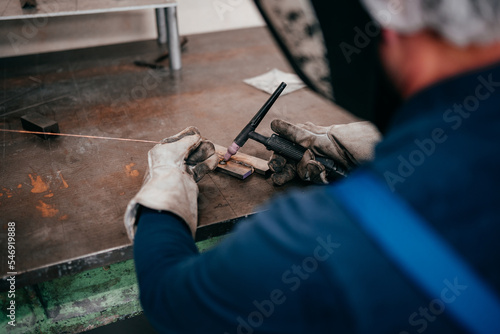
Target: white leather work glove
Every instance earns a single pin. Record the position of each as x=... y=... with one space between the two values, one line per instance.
x=175 y=165
x=348 y=144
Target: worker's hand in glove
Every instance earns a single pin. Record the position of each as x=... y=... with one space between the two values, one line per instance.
x=175 y=165
x=347 y=144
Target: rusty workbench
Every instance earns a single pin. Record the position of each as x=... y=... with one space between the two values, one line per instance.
x=67 y=195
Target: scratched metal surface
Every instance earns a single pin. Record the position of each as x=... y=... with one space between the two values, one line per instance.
x=67 y=195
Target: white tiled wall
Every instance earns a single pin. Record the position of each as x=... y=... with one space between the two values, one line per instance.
x=60 y=33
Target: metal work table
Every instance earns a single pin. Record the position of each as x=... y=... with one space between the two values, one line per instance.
x=67 y=195
x=165 y=10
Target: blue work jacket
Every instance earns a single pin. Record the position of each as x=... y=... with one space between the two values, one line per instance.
x=306 y=265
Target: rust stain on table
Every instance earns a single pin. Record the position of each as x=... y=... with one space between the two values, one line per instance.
x=131 y=172
x=38 y=185
x=47 y=210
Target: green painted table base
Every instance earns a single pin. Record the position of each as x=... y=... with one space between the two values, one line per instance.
x=81 y=302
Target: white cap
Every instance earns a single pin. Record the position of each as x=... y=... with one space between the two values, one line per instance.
x=462 y=22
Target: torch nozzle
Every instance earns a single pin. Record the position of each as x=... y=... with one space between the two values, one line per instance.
x=231 y=150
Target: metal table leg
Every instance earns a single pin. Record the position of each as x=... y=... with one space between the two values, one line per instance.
x=161 y=24
x=174 y=45
x=168 y=31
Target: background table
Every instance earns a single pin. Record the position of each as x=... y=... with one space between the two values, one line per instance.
x=165 y=10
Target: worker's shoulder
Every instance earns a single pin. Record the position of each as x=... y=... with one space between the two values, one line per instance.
x=313 y=229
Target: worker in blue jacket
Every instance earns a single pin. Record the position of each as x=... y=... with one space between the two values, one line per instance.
x=407 y=243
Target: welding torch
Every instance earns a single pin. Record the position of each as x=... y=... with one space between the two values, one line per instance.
x=276 y=143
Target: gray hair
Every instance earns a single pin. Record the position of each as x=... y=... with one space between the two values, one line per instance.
x=462 y=22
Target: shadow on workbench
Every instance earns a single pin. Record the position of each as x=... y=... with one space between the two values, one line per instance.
x=138 y=324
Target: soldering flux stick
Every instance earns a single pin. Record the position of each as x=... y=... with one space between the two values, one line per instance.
x=80 y=136
x=243 y=136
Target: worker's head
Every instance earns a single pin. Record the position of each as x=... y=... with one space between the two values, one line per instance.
x=461 y=22
x=424 y=41
x=346 y=50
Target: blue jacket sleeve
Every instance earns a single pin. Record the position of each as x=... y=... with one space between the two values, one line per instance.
x=266 y=277
x=303 y=265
